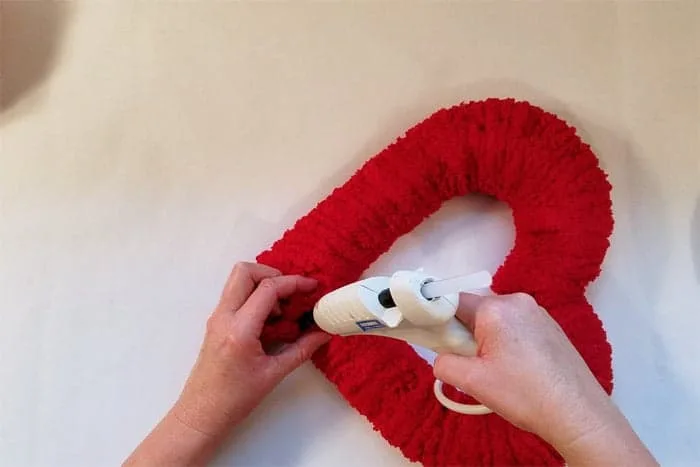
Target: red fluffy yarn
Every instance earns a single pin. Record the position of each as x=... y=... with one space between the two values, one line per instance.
x=560 y=200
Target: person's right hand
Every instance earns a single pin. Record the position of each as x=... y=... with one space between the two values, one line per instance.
x=527 y=371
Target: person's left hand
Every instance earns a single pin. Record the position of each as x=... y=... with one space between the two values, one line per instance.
x=233 y=373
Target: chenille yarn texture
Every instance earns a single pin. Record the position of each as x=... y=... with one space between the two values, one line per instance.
x=560 y=200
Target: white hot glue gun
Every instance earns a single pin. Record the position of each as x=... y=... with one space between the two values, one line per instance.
x=410 y=306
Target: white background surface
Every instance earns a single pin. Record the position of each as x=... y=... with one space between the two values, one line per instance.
x=148 y=146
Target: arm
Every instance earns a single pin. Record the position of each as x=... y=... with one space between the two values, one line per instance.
x=232 y=374
x=527 y=371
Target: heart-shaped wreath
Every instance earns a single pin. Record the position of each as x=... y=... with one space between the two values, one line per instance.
x=560 y=200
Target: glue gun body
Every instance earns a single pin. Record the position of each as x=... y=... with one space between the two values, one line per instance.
x=396 y=307
x=409 y=306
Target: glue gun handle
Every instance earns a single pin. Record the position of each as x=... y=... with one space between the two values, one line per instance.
x=453 y=337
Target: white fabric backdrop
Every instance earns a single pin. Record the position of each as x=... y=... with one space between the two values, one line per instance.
x=147 y=146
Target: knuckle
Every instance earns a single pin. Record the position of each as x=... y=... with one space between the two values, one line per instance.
x=212 y=323
x=492 y=306
x=300 y=358
x=267 y=284
x=304 y=354
x=230 y=344
x=493 y=311
x=523 y=300
x=240 y=268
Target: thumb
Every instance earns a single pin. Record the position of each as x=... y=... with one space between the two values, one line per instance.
x=459 y=371
x=294 y=355
x=466 y=310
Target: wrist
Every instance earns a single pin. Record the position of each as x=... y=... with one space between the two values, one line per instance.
x=203 y=415
x=174 y=443
x=605 y=438
x=179 y=422
x=211 y=410
x=586 y=419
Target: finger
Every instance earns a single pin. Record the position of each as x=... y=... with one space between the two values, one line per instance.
x=294 y=355
x=267 y=294
x=241 y=283
x=459 y=371
x=466 y=310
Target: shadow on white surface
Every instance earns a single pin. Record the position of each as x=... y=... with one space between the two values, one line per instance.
x=30 y=37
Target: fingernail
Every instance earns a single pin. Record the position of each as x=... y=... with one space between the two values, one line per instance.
x=310 y=281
